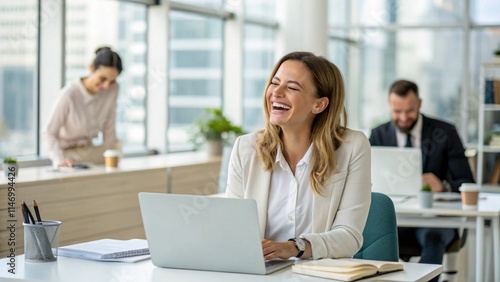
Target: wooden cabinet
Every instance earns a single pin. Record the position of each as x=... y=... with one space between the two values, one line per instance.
x=96 y=203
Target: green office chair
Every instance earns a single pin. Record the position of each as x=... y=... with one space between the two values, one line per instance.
x=380 y=236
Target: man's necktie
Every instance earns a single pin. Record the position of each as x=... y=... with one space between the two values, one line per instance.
x=408 y=141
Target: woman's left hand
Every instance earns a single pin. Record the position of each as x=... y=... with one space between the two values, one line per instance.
x=282 y=250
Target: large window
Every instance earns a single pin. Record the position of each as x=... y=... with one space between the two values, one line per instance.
x=377 y=42
x=122 y=26
x=259 y=59
x=380 y=13
x=195 y=73
x=395 y=55
x=212 y=4
x=18 y=78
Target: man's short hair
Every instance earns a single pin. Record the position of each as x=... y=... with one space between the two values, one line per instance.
x=403 y=87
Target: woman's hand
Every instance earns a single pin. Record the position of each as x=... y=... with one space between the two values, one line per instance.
x=65 y=163
x=282 y=250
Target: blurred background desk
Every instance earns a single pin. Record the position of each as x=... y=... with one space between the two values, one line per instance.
x=75 y=270
x=97 y=203
x=451 y=214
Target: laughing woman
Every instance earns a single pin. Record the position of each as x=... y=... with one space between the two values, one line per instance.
x=308 y=173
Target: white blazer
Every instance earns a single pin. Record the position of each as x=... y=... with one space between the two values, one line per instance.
x=339 y=216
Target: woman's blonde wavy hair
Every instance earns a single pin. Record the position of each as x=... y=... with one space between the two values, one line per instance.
x=328 y=126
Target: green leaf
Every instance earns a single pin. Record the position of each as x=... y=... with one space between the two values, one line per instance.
x=426 y=187
x=212 y=126
x=9 y=160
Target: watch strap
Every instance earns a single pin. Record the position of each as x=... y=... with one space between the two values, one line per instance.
x=446 y=186
x=301 y=252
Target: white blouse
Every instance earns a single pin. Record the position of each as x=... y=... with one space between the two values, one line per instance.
x=290 y=200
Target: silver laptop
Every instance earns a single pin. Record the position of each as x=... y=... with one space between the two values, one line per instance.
x=204 y=233
x=396 y=171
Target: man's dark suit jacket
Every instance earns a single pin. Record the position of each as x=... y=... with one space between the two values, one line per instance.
x=442 y=150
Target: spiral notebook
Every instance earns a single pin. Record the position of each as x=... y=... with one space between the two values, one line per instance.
x=132 y=250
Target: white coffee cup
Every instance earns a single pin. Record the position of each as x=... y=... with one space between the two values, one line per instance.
x=111 y=158
x=470 y=195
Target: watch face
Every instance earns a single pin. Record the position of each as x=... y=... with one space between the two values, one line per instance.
x=300 y=244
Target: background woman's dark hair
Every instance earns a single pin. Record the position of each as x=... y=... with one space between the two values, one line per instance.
x=106 y=57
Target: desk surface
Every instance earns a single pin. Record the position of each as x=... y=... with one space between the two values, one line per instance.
x=488 y=206
x=452 y=215
x=46 y=173
x=75 y=270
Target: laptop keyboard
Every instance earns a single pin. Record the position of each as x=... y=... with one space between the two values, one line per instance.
x=271 y=263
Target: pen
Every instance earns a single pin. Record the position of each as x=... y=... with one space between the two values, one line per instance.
x=37 y=212
x=25 y=217
x=28 y=213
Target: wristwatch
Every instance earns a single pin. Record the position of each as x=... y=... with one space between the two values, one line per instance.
x=446 y=186
x=300 y=244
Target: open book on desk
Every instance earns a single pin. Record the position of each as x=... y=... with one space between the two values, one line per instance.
x=345 y=269
x=132 y=250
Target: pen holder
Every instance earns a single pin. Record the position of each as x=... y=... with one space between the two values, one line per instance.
x=41 y=241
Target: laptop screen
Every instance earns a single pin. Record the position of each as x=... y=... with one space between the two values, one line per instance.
x=396 y=171
x=204 y=233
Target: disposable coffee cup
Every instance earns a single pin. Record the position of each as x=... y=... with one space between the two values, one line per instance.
x=111 y=158
x=41 y=241
x=470 y=195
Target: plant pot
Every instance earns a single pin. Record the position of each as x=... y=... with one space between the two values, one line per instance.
x=425 y=199
x=7 y=169
x=214 y=147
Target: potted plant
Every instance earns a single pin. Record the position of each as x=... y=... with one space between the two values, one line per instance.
x=213 y=129
x=10 y=166
x=426 y=196
x=496 y=53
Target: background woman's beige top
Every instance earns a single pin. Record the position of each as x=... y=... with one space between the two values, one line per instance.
x=78 y=117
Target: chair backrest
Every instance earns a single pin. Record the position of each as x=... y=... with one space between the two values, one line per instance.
x=380 y=236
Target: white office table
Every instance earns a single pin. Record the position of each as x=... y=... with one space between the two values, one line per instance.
x=451 y=214
x=76 y=270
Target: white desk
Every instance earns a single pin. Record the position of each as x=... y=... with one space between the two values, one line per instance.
x=75 y=270
x=409 y=214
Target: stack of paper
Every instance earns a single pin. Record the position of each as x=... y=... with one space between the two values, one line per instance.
x=132 y=250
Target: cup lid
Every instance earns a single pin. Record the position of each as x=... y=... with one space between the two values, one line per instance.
x=469 y=187
x=111 y=153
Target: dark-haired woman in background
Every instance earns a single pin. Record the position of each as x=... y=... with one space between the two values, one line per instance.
x=84 y=108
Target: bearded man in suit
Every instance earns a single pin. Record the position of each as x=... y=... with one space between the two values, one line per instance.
x=444 y=164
